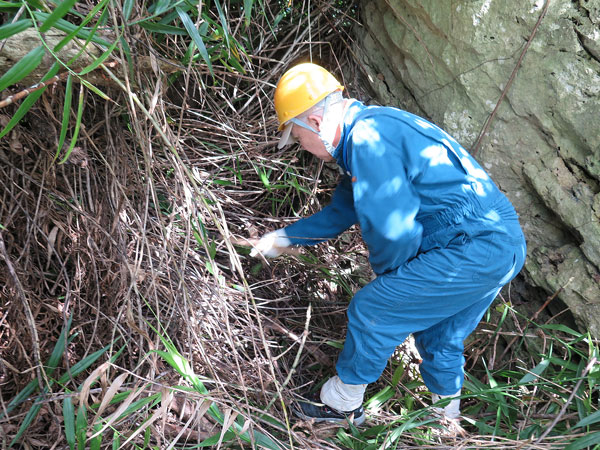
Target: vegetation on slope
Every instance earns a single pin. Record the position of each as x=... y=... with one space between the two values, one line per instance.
x=129 y=318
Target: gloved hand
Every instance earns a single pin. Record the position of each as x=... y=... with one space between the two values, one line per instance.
x=272 y=244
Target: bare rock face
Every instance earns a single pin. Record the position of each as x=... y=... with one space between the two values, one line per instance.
x=450 y=61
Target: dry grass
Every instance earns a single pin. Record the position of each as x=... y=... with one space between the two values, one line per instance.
x=130 y=239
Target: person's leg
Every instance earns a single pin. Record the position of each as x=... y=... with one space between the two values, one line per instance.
x=441 y=348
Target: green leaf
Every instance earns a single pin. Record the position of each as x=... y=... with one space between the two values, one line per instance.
x=584 y=441
x=51 y=365
x=77 y=126
x=75 y=31
x=537 y=370
x=100 y=59
x=116 y=442
x=81 y=427
x=588 y=420
x=80 y=366
x=69 y=418
x=11 y=29
x=127 y=8
x=61 y=10
x=160 y=7
x=191 y=29
x=66 y=115
x=247 y=11
x=29 y=417
x=68 y=27
x=161 y=28
x=96 y=442
x=224 y=22
x=22 y=68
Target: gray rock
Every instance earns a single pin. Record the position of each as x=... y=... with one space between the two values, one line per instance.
x=451 y=61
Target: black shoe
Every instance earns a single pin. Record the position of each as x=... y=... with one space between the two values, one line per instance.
x=314 y=409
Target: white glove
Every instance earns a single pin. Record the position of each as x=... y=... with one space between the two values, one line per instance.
x=271 y=245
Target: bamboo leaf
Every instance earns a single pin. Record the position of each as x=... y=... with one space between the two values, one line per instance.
x=77 y=126
x=223 y=20
x=11 y=29
x=81 y=427
x=588 y=420
x=68 y=27
x=66 y=114
x=96 y=442
x=61 y=10
x=191 y=29
x=80 y=366
x=76 y=30
x=584 y=441
x=535 y=372
x=247 y=11
x=162 y=28
x=23 y=68
x=100 y=59
x=127 y=8
x=29 y=417
x=69 y=418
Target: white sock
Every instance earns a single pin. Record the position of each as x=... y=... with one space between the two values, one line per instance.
x=341 y=396
x=452 y=409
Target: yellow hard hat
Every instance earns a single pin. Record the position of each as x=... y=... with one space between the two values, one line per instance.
x=300 y=88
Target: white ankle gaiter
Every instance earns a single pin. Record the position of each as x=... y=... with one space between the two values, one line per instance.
x=452 y=409
x=341 y=396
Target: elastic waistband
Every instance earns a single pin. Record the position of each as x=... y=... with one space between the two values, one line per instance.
x=478 y=207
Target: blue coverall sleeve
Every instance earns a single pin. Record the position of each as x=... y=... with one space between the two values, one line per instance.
x=385 y=200
x=328 y=223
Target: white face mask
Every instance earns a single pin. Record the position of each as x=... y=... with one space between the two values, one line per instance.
x=331 y=119
x=329 y=124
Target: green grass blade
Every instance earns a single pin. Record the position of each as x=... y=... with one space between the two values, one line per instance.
x=193 y=32
x=81 y=427
x=223 y=20
x=66 y=115
x=127 y=8
x=59 y=12
x=80 y=366
x=247 y=11
x=27 y=104
x=51 y=365
x=69 y=418
x=100 y=59
x=68 y=27
x=116 y=442
x=535 y=372
x=96 y=442
x=159 y=7
x=11 y=29
x=22 y=68
x=75 y=31
x=585 y=441
x=162 y=28
x=29 y=417
x=588 y=420
x=77 y=126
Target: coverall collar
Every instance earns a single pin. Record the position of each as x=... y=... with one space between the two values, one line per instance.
x=339 y=153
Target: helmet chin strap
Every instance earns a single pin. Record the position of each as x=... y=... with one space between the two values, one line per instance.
x=328 y=124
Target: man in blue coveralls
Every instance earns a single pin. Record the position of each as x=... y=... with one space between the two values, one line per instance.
x=442 y=238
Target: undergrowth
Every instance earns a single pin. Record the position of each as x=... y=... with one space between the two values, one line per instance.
x=129 y=316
